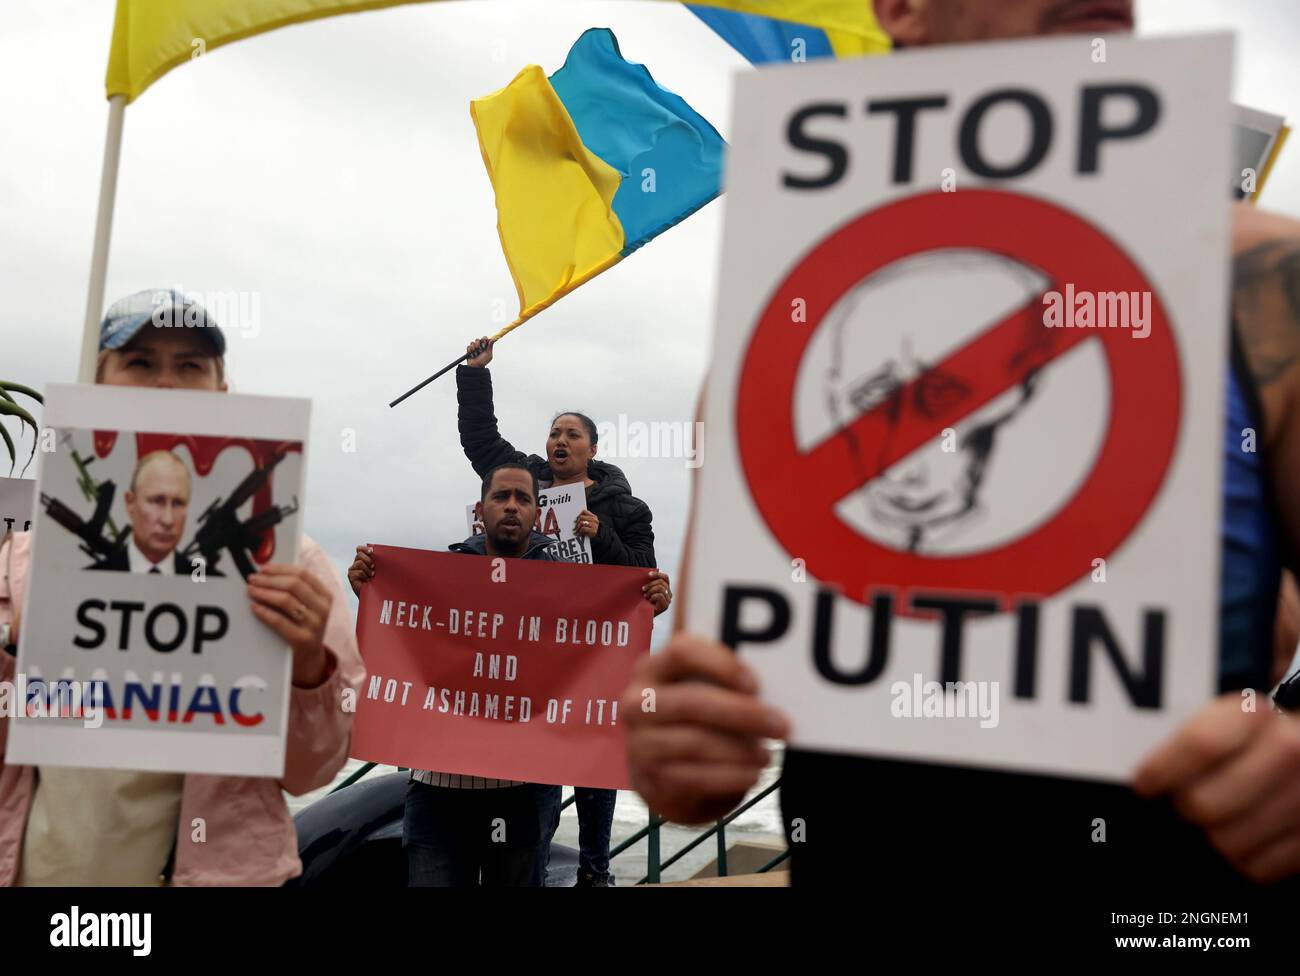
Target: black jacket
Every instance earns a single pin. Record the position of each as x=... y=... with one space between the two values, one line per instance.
x=120 y=562
x=625 y=537
x=538 y=547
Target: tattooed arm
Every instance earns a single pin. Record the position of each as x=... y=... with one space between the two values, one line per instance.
x=1266 y=304
x=1231 y=770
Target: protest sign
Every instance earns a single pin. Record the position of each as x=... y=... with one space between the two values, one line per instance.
x=1257 y=139
x=975 y=381
x=137 y=646
x=558 y=509
x=17 y=496
x=504 y=668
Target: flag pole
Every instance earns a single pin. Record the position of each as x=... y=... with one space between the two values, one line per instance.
x=462 y=358
x=524 y=316
x=103 y=231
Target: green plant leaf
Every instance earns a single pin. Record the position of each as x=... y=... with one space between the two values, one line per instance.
x=26 y=391
x=10 y=409
x=9 y=443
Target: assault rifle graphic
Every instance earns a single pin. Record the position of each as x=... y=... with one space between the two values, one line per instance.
x=221 y=529
x=95 y=541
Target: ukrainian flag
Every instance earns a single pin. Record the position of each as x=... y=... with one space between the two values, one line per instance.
x=150 y=37
x=763 y=39
x=588 y=165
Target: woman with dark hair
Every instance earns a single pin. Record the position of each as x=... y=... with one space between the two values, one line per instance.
x=616 y=523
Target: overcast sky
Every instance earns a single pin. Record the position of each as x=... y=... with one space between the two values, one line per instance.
x=331 y=169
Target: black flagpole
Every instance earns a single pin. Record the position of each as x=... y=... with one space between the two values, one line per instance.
x=463 y=357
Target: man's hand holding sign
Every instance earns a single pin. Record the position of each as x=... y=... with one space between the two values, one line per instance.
x=658 y=590
x=1236 y=773
x=700 y=749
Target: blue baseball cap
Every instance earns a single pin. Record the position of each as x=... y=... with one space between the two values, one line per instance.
x=164 y=308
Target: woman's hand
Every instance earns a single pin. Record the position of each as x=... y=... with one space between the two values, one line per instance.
x=586 y=524
x=362 y=569
x=657 y=591
x=296 y=605
x=479 y=352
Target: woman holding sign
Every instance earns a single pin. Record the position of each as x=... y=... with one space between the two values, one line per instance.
x=74 y=827
x=614 y=521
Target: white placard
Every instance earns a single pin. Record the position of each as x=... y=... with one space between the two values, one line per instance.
x=937 y=468
x=17 y=501
x=188 y=679
x=1255 y=135
x=558 y=509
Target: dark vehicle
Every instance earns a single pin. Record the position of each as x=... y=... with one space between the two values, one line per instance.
x=354 y=838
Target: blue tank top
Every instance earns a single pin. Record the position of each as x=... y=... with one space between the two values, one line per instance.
x=1250 y=570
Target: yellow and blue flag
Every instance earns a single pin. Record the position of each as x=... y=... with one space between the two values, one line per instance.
x=840 y=19
x=763 y=39
x=588 y=165
x=150 y=37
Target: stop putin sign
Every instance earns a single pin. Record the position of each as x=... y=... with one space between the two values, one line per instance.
x=1087 y=625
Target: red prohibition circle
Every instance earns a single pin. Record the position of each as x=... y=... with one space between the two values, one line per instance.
x=796 y=491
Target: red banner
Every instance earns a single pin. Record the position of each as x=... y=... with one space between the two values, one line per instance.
x=507 y=668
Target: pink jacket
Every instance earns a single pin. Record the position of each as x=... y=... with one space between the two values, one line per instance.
x=250 y=838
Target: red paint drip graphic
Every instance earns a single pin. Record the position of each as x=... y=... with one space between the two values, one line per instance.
x=204 y=451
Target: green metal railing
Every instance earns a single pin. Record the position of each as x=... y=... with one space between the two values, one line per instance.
x=654 y=867
x=650 y=833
